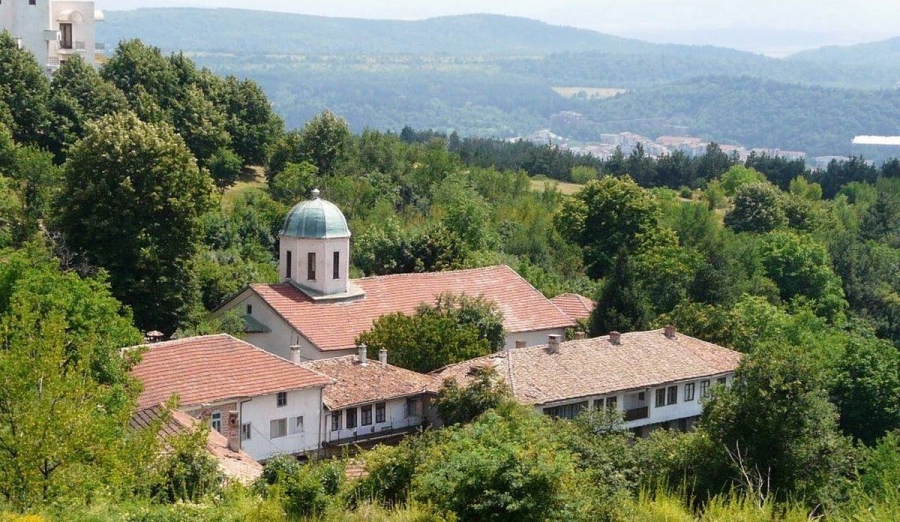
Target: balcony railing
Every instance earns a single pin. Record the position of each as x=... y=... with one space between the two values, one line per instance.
x=77 y=45
x=637 y=414
x=366 y=435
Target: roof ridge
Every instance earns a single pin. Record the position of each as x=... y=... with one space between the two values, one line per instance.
x=437 y=273
x=183 y=340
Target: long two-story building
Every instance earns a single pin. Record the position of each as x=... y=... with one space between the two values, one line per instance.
x=655 y=379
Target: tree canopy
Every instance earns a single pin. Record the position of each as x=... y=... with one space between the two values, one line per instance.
x=136 y=185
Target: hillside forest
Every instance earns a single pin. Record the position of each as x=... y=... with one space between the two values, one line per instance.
x=502 y=77
x=140 y=196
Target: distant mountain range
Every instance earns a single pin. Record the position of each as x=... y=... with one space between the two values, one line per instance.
x=494 y=75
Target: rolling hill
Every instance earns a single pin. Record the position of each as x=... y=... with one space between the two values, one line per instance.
x=501 y=76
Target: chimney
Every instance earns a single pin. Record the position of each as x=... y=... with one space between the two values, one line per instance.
x=382 y=357
x=580 y=335
x=233 y=431
x=615 y=338
x=363 y=359
x=521 y=344
x=553 y=344
x=295 y=354
x=670 y=331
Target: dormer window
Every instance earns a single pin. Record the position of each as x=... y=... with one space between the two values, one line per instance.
x=311 y=266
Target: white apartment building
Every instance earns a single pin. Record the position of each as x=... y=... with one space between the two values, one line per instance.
x=53 y=31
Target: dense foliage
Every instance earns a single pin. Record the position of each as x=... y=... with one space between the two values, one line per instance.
x=796 y=268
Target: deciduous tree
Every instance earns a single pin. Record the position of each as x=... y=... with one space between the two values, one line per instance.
x=132 y=205
x=605 y=216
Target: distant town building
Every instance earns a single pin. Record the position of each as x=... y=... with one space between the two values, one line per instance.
x=53 y=31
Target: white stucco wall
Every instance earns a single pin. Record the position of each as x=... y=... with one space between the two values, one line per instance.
x=83 y=30
x=680 y=410
x=324 y=250
x=534 y=338
x=259 y=411
x=395 y=418
x=282 y=336
x=28 y=22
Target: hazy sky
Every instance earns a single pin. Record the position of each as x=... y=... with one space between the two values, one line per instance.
x=840 y=21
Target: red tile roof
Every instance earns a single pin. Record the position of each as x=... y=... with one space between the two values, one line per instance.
x=215 y=368
x=574 y=305
x=334 y=325
x=373 y=382
x=587 y=367
x=236 y=465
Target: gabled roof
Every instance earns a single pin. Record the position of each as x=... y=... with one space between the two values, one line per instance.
x=355 y=383
x=236 y=465
x=583 y=368
x=574 y=305
x=213 y=368
x=335 y=325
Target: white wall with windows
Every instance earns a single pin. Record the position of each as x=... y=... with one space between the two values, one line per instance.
x=281 y=423
x=370 y=420
x=680 y=400
x=322 y=275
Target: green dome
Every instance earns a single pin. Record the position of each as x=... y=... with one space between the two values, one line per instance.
x=315 y=218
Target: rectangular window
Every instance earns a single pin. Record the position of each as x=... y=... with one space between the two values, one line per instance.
x=311 y=266
x=351 y=418
x=673 y=395
x=365 y=415
x=642 y=396
x=336 y=269
x=379 y=412
x=688 y=392
x=721 y=380
x=249 y=309
x=660 y=397
x=704 y=389
x=277 y=428
x=612 y=403
x=246 y=431
x=288 y=264
x=296 y=425
x=336 y=421
x=215 y=420
x=282 y=399
x=32 y=2
x=598 y=403
x=412 y=407
x=65 y=36
x=566 y=411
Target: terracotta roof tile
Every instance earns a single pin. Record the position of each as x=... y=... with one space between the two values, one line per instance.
x=215 y=368
x=373 y=382
x=583 y=368
x=335 y=325
x=236 y=465
x=574 y=305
